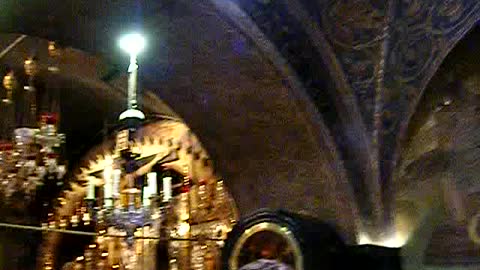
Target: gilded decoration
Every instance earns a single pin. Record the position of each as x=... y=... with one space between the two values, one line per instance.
x=203 y=211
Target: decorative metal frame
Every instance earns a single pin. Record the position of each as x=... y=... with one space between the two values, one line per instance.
x=282 y=231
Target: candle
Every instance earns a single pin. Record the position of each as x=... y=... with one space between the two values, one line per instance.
x=152 y=183
x=117 y=173
x=91 y=189
x=146 y=195
x=108 y=203
x=167 y=188
x=108 y=186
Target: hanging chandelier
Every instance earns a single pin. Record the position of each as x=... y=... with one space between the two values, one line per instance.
x=127 y=208
x=31 y=158
x=136 y=203
x=30 y=155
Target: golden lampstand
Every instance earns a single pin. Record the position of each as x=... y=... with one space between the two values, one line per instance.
x=9 y=83
x=48 y=265
x=131 y=196
x=102 y=264
x=63 y=223
x=31 y=67
x=210 y=261
x=79 y=263
x=53 y=50
x=86 y=218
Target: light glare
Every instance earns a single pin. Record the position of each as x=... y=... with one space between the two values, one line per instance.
x=183 y=229
x=133 y=44
x=394 y=241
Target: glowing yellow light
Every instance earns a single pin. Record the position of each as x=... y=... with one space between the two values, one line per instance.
x=183 y=229
x=394 y=241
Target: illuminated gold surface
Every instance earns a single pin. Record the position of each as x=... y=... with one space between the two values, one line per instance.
x=31 y=67
x=214 y=223
x=9 y=81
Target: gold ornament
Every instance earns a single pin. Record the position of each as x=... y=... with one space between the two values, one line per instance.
x=53 y=50
x=9 y=83
x=31 y=67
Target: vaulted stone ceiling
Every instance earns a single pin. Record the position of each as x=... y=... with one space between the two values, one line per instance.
x=380 y=56
x=326 y=109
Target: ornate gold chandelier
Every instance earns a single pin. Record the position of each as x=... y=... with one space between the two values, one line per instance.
x=30 y=155
x=142 y=193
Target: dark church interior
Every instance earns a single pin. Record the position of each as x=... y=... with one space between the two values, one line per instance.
x=240 y=135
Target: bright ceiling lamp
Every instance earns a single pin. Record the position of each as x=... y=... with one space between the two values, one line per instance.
x=133 y=43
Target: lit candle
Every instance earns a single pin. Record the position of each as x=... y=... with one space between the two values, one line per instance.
x=108 y=186
x=167 y=188
x=91 y=189
x=146 y=195
x=152 y=183
x=117 y=173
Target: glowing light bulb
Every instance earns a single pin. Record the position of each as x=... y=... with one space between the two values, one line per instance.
x=133 y=43
x=183 y=229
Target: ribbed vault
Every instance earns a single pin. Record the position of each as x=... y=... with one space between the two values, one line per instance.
x=380 y=56
x=441 y=154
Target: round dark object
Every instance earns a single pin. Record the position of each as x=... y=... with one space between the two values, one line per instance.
x=310 y=244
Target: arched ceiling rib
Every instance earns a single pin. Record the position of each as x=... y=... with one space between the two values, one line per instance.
x=249 y=28
x=303 y=45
